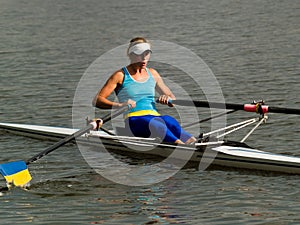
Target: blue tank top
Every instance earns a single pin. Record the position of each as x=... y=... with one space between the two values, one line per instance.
x=141 y=92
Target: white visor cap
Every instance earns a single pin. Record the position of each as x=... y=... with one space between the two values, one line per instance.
x=139 y=49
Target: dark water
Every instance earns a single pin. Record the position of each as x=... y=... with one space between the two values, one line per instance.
x=252 y=48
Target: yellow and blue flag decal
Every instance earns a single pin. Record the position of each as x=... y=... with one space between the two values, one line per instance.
x=15 y=173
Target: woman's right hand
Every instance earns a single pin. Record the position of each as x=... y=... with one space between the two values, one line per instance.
x=130 y=103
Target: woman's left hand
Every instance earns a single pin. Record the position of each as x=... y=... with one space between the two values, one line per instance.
x=164 y=99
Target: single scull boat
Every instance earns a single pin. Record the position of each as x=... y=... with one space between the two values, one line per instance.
x=220 y=153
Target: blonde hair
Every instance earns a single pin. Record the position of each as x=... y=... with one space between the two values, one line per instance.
x=135 y=41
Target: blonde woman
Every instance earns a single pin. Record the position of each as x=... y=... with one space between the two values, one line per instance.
x=135 y=85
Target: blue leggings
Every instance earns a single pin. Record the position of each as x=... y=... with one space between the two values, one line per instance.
x=165 y=127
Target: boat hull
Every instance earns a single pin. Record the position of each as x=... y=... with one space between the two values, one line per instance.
x=224 y=155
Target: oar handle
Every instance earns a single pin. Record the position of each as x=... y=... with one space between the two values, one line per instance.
x=246 y=107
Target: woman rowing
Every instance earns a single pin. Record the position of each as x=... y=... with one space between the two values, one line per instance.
x=135 y=85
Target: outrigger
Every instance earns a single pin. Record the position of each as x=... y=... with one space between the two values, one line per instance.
x=211 y=147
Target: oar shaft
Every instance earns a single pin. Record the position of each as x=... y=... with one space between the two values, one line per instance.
x=116 y=113
x=206 y=104
x=78 y=133
x=60 y=143
x=284 y=110
x=245 y=107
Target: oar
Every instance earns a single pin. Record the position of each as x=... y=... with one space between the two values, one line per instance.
x=255 y=107
x=17 y=173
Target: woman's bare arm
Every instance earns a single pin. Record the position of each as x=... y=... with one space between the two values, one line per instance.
x=100 y=100
x=162 y=88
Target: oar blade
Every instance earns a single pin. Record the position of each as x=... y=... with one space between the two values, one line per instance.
x=16 y=173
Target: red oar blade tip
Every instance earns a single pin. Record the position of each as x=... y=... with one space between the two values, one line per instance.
x=16 y=173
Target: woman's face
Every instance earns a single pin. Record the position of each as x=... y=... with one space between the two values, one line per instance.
x=141 y=60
